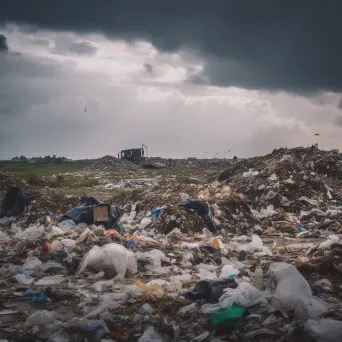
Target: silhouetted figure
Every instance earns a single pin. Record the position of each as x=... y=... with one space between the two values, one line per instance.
x=13 y=203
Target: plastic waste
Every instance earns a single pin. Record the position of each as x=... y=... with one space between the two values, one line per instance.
x=146 y=309
x=153 y=257
x=324 y=330
x=32 y=233
x=229 y=317
x=67 y=224
x=228 y=271
x=200 y=208
x=245 y=295
x=41 y=317
x=59 y=336
x=251 y=247
x=292 y=292
x=23 y=279
x=259 y=278
x=233 y=263
x=151 y=290
x=130 y=243
x=210 y=290
x=84 y=212
x=151 y=334
x=331 y=239
x=111 y=258
x=156 y=211
x=30 y=264
x=51 y=280
x=145 y=222
x=40 y=298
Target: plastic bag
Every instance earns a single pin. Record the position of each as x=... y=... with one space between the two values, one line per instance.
x=210 y=290
x=324 y=330
x=251 y=247
x=151 y=290
x=228 y=271
x=51 y=280
x=30 y=264
x=60 y=336
x=245 y=295
x=229 y=317
x=23 y=279
x=67 y=224
x=111 y=258
x=153 y=257
x=233 y=263
x=150 y=334
x=292 y=292
x=41 y=317
x=31 y=233
x=145 y=222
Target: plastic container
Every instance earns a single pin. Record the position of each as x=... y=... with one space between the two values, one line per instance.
x=229 y=317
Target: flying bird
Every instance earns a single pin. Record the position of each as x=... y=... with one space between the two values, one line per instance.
x=85 y=110
x=316 y=134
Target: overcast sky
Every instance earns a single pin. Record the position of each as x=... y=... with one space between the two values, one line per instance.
x=184 y=77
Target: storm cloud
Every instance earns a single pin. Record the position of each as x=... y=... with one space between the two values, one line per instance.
x=3 y=43
x=265 y=44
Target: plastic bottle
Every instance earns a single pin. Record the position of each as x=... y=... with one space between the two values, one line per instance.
x=259 y=278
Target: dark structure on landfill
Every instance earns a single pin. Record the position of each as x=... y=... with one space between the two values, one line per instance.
x=135 y=155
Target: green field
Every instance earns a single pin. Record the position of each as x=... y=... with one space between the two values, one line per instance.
x=42 y=168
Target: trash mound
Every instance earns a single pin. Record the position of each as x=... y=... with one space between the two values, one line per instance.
x=154 y=163
x=112 y=164
x=301 y=181
x=176 y=217
x=7 y=179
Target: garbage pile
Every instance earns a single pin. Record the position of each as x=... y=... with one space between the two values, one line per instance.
x=183 y=261
x=112 y=164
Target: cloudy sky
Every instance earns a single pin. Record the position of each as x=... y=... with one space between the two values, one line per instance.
x=183 y=77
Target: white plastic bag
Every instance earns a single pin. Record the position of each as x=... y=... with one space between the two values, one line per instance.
x=292 y=292
x=23 y=279
x=251 y=247
x=32 y=233
x=41 y=317
x=30 y=264
x=51 y=280
x=245 y=294
x=112 y=258
x=150 y=334
x=228 y=271
x=324 y=330
x=153 y=257
x=67 y=224
x=145 y=222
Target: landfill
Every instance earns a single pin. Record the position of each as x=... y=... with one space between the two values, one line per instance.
x=243 y=251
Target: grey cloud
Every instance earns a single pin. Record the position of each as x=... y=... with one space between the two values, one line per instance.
x=3 y=43
x=83 y=48
x=340 y=104
x=265 y=44
x=148 y=68
x=338 y=121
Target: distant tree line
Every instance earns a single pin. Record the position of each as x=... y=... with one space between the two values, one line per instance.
x=46 y=159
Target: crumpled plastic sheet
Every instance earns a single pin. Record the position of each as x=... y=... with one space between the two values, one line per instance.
x=245 y=294
x=112 y=258
x=83 y=212
x=292 y=292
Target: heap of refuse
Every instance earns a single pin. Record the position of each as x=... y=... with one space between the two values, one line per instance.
x=112 y=164
x=229 y=259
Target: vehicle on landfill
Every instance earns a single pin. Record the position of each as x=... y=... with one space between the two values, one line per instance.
x=135 y=155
